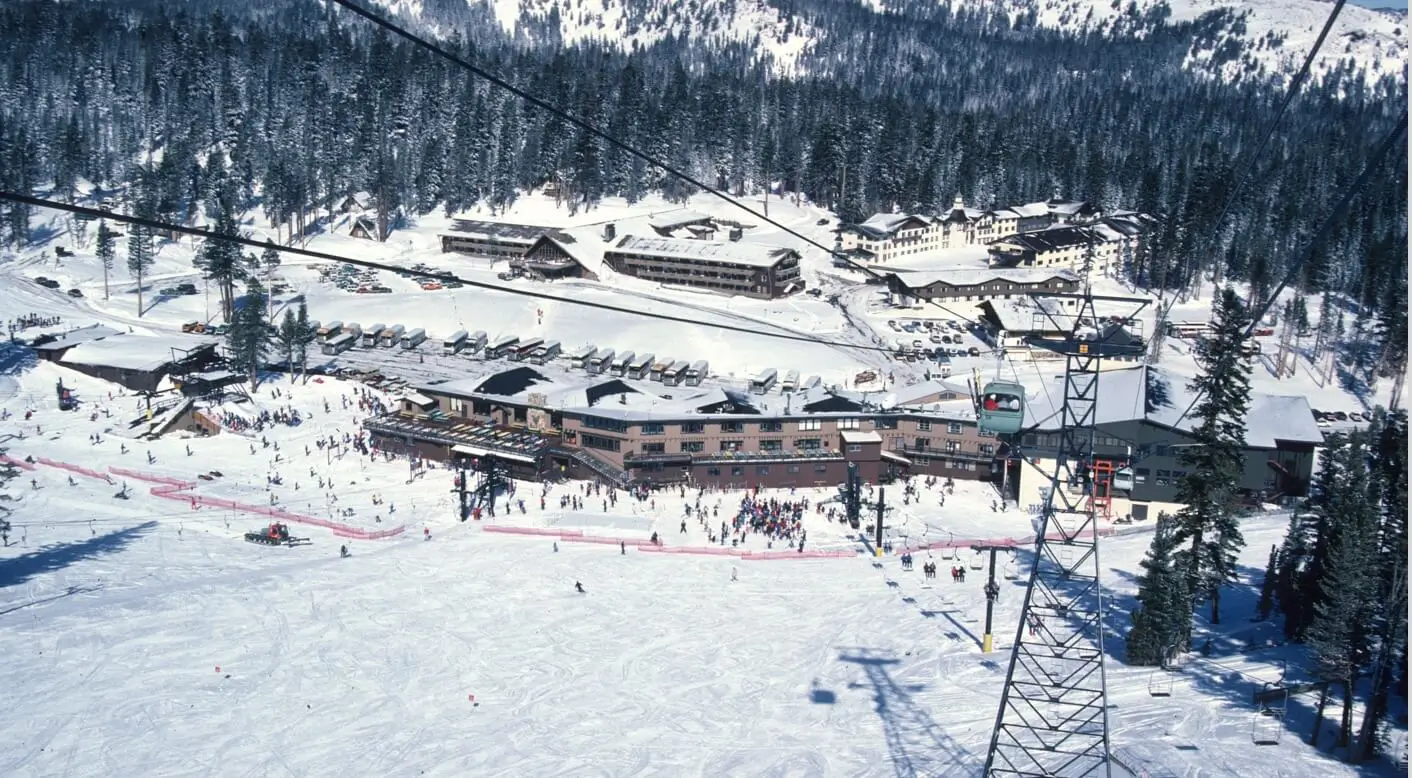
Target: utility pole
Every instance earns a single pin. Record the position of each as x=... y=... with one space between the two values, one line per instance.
x=992 y=593
x=462 y=494
x=1286 y=359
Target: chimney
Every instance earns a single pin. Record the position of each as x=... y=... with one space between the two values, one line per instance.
x=736 y=233
x=610 y=231
x=956 y=204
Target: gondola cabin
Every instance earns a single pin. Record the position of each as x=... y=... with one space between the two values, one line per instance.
x=1123 y=480
x=1002 y=408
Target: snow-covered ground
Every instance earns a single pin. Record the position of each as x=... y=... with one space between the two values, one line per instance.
x=143 y=636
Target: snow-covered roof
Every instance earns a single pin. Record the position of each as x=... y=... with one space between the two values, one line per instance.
x=74 y=337
x=671 y=221
x=503 y=231
x=1151 y=394
x=1034 y=314
x=977 y=276
x=859 y=436
x=924 y=393
x=135 y=352
x=1053 y=239
x=735 y=253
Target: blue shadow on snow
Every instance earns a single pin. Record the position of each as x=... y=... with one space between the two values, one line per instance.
x=60 y=555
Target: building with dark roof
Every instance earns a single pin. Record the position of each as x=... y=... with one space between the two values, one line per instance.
x=1069 y=248
x=980 y=284
x=140 y=362
x=496 y=240
x=746 y=269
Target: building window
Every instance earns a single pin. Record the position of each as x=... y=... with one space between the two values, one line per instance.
x=821 y=468
x=924 y=426
x=848 y=424
x=654 y=448
x=792 y=469
x=954 y=428
x=772 y=445
x=854 y=448
x=730 y=426
x=730 y=445
x=737 y=470
x=600 y=423
x=808 y=444
x=987 y=449
x=713 y=471
x=886 y=424
x=1164 y=477
x=693 y=427
x=923 y=444
x=809 y=425
x=771 y=426
x=600 y=442
x=693 y=446
x=1140 y=475
x=762 y=470
x=653 y=428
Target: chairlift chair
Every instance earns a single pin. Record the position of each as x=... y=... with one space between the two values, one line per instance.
x=978 y=561
x=1002 y=408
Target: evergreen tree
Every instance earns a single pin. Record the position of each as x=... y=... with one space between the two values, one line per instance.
x=1338 y=637
x=248 y=339
x=288 y=337
x=140 y=253
x=106 y=253
x=306 y=335
x=1266 y=605
x=1161 y=619
x=221 y=259
x=1207 y=521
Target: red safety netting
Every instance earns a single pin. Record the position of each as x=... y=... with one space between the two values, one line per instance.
x=20 y=463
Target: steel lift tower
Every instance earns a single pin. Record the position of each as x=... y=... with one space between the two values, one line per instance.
x=1053 y=716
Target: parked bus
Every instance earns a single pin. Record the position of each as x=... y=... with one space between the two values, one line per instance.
x=791 y=381
x=354 y=329
x=331 y=330
x=501 y=346
x=545 y=353
x=339 y=343
x=414 y=338
x=600 y=361
x=674 y=374
x=524 y=349
x=659 y=367
x=475 y=342
x=697 y=372
x=810 y=382
x=1187 y=330
x=619 y=367
x=641 y=366
x=455 y=343
x=582 y=356
x=371 y=335
x=391 y=336
x=763 y=383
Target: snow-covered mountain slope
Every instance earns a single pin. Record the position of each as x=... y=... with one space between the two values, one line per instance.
x=1244 y=38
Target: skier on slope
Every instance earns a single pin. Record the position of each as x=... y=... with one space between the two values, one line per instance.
x=579 y=587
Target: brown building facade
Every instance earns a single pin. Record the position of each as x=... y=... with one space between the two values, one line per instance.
x=745 y=269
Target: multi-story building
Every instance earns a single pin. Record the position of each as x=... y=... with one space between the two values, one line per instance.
x=886 y=237
x=732 y=268
x=495 y=240
x=980 y=284
x=1140 y=434
x=629 y=431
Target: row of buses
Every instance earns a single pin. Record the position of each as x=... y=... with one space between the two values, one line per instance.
x=763 y=383
x=626 y=364
x=335 y=337
x=535 y=350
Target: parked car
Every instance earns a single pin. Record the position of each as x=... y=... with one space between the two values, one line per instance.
x=822 y=222
x=75 y=293
x=47 y=283
x=1340 y=416
x=1355 y=416
x=186 y=289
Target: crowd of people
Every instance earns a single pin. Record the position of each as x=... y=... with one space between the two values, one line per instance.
x=29 y=320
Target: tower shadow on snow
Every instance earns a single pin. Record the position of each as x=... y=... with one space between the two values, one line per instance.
x=60 y=555
x=916 y=745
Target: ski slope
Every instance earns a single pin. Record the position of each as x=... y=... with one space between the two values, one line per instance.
x=145 y=637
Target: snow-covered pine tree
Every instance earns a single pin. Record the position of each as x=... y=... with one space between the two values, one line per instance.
x=248 y=339
x=221 y=258
x=287 y=338
x=140 y=250
x=1338 y=635
x=1266 y=605
x=106 y=253
x=1208 y=522
x=1390 y=627
x=1163 y=616
x=306 y=335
